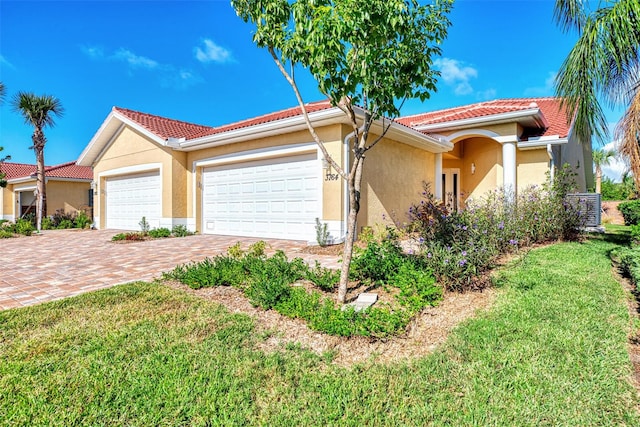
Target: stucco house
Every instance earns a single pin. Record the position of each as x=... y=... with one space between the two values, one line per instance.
x=68 y=189
x=265 y=177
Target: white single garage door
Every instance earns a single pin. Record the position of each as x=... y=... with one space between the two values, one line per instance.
x=275 y=198
x=131 y=197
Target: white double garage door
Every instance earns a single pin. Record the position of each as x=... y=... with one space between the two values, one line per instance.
x=272 y=198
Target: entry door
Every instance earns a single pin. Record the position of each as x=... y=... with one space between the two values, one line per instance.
x=451 y=188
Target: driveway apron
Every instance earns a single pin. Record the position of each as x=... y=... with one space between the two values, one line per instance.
x=63 y=263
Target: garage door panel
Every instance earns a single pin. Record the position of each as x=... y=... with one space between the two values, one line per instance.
x=278 y=198
x=130 y=197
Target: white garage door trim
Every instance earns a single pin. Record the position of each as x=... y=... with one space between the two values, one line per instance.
x=130 y=197
x=236 y=203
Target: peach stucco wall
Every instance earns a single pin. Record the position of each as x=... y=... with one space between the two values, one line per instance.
x=69 y=196
x=131 y=148
x=532 y=167
x=393 y=179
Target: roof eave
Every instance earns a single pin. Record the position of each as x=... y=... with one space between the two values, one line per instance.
x=534 y=114
x=277 y=127
x=104 y=136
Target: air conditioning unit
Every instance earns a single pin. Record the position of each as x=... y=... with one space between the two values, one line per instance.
x=589 y=203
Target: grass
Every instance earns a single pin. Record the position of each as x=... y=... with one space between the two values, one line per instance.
x=552 y=351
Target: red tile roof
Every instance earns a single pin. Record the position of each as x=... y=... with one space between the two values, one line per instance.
x=163 y=127
x=64 y=170
x=550 y=108
x=169 y=128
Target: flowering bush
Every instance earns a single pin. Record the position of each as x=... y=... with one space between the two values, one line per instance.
x=458 y=246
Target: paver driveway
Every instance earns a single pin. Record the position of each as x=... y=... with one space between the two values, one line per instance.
x=62 y=263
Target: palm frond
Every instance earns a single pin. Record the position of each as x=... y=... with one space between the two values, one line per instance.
x=37 y=111
x=569 y=14
x=628 y=135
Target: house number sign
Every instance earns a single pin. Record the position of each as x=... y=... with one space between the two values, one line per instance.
x=331 y=176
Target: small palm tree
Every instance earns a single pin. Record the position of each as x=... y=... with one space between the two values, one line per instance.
x=37 y=112
x=601 y=158
x=2 y=92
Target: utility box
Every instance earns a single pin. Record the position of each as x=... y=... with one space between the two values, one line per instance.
x=591 y=204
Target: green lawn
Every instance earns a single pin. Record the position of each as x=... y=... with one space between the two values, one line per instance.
x=552 y=351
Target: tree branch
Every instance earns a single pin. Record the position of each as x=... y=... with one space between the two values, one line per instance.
x=305 y=114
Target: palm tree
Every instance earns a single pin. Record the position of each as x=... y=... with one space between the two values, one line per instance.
x=37 y=111
x=601 y=158
x=603 y=64
x=2 y=92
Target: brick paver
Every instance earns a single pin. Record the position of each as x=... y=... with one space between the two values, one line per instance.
x=62 y=263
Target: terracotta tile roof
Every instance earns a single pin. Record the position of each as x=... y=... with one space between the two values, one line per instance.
x=69 y=170
x=550 y=108
x=163 y=127
x=311 y=107
x=169 y=128
x=64 y=170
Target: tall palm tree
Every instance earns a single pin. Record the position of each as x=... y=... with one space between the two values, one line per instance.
x=601 y=158
x=3 y=182
x=603 y=65
x=37 y=112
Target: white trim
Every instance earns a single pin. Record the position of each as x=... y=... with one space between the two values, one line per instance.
x=438 y=176
x=108 y=144
x=541 y=143
x=466 y=133
x=128 y=170
x=509 y=172
x=276 y=127
x=28 y=187
x=259 y=154
x=11 y=218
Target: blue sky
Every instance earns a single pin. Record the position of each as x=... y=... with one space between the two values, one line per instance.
x=195 y=61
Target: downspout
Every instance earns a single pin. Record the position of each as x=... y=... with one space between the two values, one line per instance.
x=552 y=165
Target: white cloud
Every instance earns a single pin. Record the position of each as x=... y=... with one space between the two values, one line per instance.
x=455 y=73
x=546 y=90
x=616 y=166
x=211 y=52
x=93 y=52
x=168 y=75
x=136 y=61
x=4 y=61
x=485 y=95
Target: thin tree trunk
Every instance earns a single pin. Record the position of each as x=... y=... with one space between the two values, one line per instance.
x=354 y=185
x=41 y=197
x=598 y=179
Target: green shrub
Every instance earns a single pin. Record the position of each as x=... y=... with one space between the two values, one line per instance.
x=324 y=278
x=158 y=233
x=118 y=237
x=82 y=220
x=65 y=224
x=377 y=262
x=180 y=230
x=322 y=233
x=630 y=211
x=144 y=226
x=6 y=234
x=24 y=227
x=418 y=288
x=629 y=261
x=459 y=246
x=130 y=236
x=62 y=217
x=47 y=223
x=266 y=292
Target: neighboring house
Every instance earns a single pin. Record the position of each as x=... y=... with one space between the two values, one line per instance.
x=68 y=189
x=265 y=177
